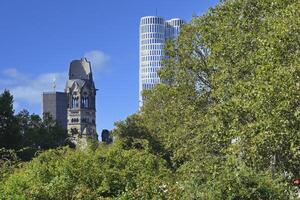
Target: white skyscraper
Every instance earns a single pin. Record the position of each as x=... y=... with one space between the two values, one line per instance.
x=154 y=31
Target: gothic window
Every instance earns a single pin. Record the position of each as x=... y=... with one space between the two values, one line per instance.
x=75 y=101
x=85 y=102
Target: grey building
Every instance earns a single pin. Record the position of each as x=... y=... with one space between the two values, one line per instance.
x=56 y=104
x=81 y=94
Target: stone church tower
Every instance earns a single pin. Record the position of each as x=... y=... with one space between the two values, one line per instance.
x=81 y=94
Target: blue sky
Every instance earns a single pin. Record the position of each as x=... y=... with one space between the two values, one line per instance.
x=39 y=38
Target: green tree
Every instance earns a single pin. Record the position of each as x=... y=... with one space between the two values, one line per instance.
x=133 y=134
x=237 y=181
x=254 y=45
x=38 y=134
x=8 y=162
x=28 y=133
x=41 y=133
x=231 y=87
x=224 y=123
x=9 y=134
x=109 y=172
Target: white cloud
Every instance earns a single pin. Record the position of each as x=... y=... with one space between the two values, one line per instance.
x=7 y=82
x=29 y=88
x=11 y=72
x=97 y=58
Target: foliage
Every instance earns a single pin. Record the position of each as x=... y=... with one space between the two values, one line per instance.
x=254 y=46
x=133 y=134
x=40 y=133
x=107 y=172
x=237 y=181
x=224 y=123
x=27 y=133
x=8 y=162
x=231 y=88
x=9 y=133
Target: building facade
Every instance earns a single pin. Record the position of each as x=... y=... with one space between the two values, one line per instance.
x=154 y=32
x=81 y=94
x=56 y=103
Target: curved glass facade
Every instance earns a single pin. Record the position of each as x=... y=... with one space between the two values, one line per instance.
x=154 y=31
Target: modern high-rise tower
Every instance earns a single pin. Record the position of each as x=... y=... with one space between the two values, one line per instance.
x=81 y=93
x=154 y=32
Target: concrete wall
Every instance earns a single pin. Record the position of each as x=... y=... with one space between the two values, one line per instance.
x=56 y=104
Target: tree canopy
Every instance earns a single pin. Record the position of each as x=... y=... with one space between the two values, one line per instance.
x=223 y=124
x=106 y=173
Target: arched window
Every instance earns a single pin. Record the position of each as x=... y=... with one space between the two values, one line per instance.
x=85 y=102
x=75 y=102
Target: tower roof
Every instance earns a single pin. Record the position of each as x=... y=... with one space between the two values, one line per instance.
x=80 y=69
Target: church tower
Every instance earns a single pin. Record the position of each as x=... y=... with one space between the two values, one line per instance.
x=81 y=94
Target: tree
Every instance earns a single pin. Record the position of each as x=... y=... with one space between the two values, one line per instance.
x=224 y=123
x=133 y=134
x=8 y=162
x=109 y=172
x=230 y=88
x=237 y=181
x=38 y=134
x=255 y=85
x=9 y=134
